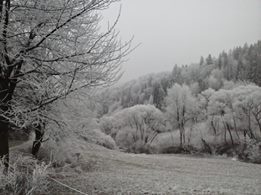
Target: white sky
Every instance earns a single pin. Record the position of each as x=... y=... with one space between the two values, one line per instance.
x=180 y=31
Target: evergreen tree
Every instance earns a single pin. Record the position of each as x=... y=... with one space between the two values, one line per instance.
x=209 y=60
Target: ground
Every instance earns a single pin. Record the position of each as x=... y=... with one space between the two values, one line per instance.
x=102 y=171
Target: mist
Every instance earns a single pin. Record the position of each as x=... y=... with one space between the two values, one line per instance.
x=180 y=31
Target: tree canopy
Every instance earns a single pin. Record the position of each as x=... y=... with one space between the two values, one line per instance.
x=50 y=49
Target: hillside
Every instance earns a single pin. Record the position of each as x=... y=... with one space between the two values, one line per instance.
x=190 y=125
x=113 y=172
x=240 y=64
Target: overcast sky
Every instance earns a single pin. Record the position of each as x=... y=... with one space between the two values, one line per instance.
x=180 y=31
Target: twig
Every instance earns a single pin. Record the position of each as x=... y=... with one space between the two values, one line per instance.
x=67 y=186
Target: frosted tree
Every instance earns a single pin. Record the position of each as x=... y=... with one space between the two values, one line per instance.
x=180 y=107
x=49 y=49
x=215 y=80
x=248 y=108
x=238 y=110
x=221 y=110
x=141 y=123
x=158 y=95
x=176 y=75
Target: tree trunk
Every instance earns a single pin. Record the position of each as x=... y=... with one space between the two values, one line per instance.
x=213 y=127
x=39 y=133
x=257 y=120
x=180 y=135
x=249 y=125
x=230 y=134
x=4 y=146
x=225 y=130
x=259 y=124
x=235 y=127
x=184 y=136
x=225 y=135
x=4 y=126
x=180 y=138
x=207 y=147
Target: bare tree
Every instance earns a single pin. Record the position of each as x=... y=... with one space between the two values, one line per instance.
x=49 y=49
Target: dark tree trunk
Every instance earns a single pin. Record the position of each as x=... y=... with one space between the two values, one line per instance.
x=235 y=127
x=213 y=127
x=259 y=124
x=4 y=126
x=39 y=133
x=7 y=86
x=257 y=120
x=184 y=136
x=249 y=126
x=225 y=135
x=225 y=130
x=230 y=134
x=180 y=138
x=206 y=146
x=4 y=146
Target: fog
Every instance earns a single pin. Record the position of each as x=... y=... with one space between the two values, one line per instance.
x=180 y=31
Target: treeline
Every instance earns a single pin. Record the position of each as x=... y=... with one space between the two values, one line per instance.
x=213 y=106
x=241 y=64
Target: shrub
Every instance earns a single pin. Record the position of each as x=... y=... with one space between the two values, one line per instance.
x=173 y=150
x=140 y=147
x=166 y=140
x=251 y=152
x=255 y=152
x=106 y=124
x=124 y=138
x=57 y=151
x=25 y=176
x=96 y=136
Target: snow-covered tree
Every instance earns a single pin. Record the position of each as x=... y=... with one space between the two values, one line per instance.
x=50 y=49
x=237 y=110
x=220 y=110
x=181 y=107
x=248 y=108
x=215 y=81
x=141 y=122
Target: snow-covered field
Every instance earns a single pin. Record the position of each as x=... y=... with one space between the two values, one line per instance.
x=103 y=171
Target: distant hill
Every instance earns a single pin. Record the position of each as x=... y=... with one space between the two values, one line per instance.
x=241 y=64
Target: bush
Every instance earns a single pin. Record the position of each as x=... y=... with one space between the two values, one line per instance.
x=96 y=136
x=25 y=176
x=58 y=153
x=174 y=150
x=179 y=150
x=251 y=152
x=124 y=138
x=169 y=142
x=166 y=140
x=140 y=148
x=106 y=125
